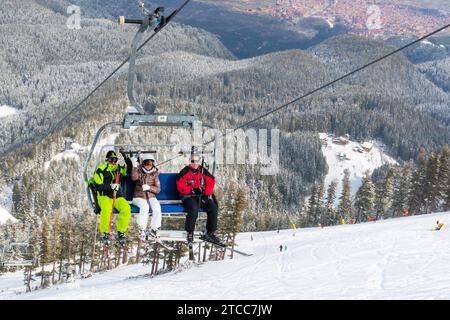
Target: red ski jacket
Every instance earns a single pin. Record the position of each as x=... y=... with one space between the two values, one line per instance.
x=189 y=179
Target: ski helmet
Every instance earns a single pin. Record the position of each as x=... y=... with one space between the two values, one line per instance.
x=146 y=160
x=147 y=156
x=111 y=156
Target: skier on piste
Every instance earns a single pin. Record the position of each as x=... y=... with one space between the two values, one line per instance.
x=439 y=226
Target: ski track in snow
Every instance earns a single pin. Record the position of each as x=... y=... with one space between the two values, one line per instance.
x=391 y=259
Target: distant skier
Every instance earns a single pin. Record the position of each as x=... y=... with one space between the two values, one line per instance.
x=281 y=247
x=439 y=226
x=105 y=181
x=406 y=212
x=196 y=187
x=147 y=186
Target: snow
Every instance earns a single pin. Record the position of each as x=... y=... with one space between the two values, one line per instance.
x=109 y=140
x=6 y=111
x=76 y=149
x=6 y=205
x=69 y=154
x=358 y=165
x=427 y=42
x=391 y=259
x=5 y=216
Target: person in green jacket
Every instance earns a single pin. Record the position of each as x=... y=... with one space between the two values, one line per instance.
x=105 y=181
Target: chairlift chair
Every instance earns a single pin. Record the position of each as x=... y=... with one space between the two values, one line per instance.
x=135 y=118
x=18 y=254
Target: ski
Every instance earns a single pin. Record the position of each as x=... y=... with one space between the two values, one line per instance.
x=191 y=251
x=242 y=253
x=106 y=251
x=150 y=241
x=123 y=250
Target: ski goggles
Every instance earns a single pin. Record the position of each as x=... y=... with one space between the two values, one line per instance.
x=195 y=161
x=146 y=163
x=112 y=160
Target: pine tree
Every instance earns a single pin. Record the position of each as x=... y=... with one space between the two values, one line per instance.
x=329 y=204
x=345 y=206
x=416 y=198
x=240 y=205
x=56 y=240
x=447 y=197
x=444 y=173
x=402 y=184
x=44 y=252
x=383 y=194
x=364 y=198
x=17 y=197
x=431 y=191
x=311 y=211
x=320 y=208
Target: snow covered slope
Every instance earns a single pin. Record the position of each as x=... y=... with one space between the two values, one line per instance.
x=6 y=204
x=392 y=259
x=5 y=216
x=357 y=163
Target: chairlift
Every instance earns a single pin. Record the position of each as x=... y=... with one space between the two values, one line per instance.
x=17 y=254
x=136 y=117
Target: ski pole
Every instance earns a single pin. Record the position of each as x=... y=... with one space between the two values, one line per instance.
x=114 y=199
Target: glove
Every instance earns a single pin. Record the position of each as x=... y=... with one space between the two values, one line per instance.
x=115 y=186
x=134 y=162
x=121 y=163
x=145 y=187
x=197 y=191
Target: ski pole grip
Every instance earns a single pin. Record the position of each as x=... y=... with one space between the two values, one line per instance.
x=123 y=20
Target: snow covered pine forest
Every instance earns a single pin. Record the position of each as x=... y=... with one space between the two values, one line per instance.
x=359 y=205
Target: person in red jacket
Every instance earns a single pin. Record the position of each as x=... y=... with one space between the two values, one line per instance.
x=196 y=187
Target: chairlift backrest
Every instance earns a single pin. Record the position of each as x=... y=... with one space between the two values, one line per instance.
x=168 y=187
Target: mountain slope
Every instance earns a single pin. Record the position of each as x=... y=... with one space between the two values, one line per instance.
x=392 y=259
x=47 y=67
x=357 y=163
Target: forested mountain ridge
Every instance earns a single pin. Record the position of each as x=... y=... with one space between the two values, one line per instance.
x=189 y=70
x=46 y=67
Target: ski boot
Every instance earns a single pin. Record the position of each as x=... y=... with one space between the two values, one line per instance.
x=153 y=235
x=105 y=240
x=122 y=240
x=190 y=242
x=190 y=238
x=142 y=235
x=212 y=238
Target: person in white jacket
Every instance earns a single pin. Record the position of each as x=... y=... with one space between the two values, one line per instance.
x=147 y=186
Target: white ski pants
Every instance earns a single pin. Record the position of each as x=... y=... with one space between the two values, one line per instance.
x=142 y=220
